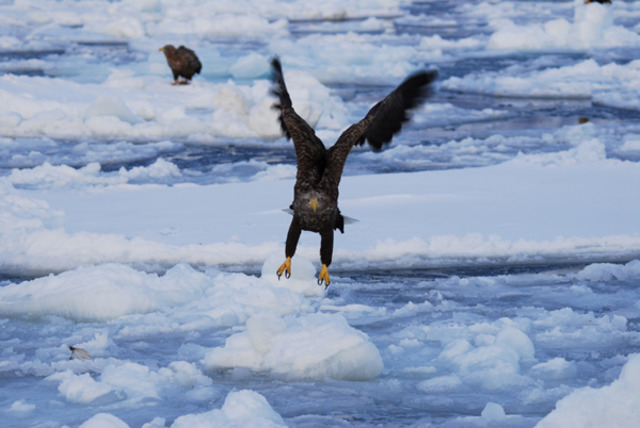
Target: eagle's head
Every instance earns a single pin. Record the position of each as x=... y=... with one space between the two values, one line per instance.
x=315 y=210
x=313 y=202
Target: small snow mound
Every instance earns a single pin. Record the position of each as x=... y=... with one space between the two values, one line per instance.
x=250 y=67
x=609 y=271
x=21 y=406
x=79 y=388
x=104 y=420
x=248 y=405
x=556 y=368
x=107 y=105
x=493 y=412
x=99 y=293
x=303 y=275
x=493 y=362
x=314 y=346
x=240 y=409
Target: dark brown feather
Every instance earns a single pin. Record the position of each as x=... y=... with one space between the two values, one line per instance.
x=319 y=170
x=310 y=151
x=382 y=122
x=182 y=61
x=389 y=114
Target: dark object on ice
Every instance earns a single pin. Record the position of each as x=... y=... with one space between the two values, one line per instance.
x=583 y=119
x=78 y=354
x=315 y=195
x=598 y=1
x=183 y=62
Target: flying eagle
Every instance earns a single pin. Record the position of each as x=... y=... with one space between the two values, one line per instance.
x=183 y=62
x=315 y=195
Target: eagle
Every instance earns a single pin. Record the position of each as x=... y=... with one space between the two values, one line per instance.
x=183 y=62
x=315 y=194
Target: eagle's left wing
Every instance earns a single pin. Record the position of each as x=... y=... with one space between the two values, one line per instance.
x=382 y=121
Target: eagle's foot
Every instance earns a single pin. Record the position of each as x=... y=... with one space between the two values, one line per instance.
x=285 y=268
x=324 y=276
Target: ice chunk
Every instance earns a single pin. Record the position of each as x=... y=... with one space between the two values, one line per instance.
x=240 y=409
x=21 y=406
x=493 y=412
x=107 y=105
x=614 y=406
x=80 y=388
x=250 y=66
x=104 y=420
x=312 y=346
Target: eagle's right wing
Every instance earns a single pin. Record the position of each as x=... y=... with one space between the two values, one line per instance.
x=310 y=152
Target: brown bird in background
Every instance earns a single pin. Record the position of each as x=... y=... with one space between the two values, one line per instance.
x=315 y=194
x=183 y=62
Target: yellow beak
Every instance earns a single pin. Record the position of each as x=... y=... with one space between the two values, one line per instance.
x=313 y=204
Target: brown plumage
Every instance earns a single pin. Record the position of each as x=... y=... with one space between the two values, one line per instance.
x=183 y=62
x=315 y=194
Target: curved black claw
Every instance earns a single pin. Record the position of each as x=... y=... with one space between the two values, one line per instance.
x=324 y=277
x=285 y=268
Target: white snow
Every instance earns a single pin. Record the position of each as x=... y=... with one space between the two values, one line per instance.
x=167 y=279
x=310 y=347
x=240 y=409
x=612 y=405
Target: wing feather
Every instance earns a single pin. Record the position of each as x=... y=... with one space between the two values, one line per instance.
x=382 y=122
x=189 y=59
x=385 y=119
x=310 y=151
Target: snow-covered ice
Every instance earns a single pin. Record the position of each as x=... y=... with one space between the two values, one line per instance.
x=491 y=279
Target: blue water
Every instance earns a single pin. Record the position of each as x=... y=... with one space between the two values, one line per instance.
x=461 y=295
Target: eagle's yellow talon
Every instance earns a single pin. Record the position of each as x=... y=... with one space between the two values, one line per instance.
x=285 y=268
x=324 y=276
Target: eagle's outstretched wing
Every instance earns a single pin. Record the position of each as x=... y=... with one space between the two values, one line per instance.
x=381 y=122
x=310 y=151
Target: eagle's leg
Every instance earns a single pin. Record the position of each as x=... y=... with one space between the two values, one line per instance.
x=326 y=254
x=175 y=78
x=290 y=248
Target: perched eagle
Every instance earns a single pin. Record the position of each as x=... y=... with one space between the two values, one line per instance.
x=183 y=62
x=315 y=195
